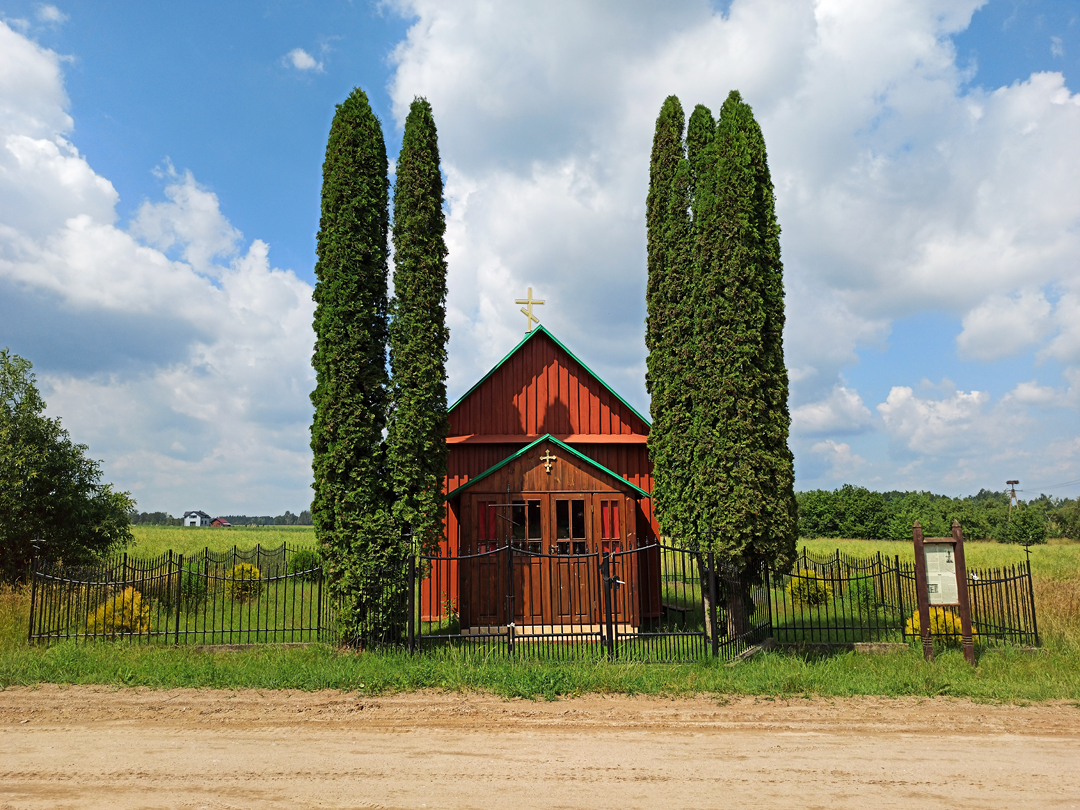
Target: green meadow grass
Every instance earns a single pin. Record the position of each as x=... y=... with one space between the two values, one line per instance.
x=1002 y=675
x=1055 y=560
x=150 y=541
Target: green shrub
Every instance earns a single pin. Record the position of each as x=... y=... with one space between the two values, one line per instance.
x=943 y=622
x=126 y=612
x=809 y=588
x=307 y=562
x=244 y=582
x=193 y=586
x=1028 y=525
x=864 y=595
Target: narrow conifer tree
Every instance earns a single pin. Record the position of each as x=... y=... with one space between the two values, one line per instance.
x=668 y=152
x=700 y=132
x=418 y=426
x=351 y=507
x=742 y=469
x=779 y=536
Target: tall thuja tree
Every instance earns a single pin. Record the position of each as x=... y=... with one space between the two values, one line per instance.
x=351 y=507
x=667 y=223
x=778 y=534
x=742 y=467
x=419 y=424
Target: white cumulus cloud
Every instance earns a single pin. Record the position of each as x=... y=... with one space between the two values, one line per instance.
x=302 y=60
x=181 y=357
x=1004 y=325
x=843 y=462
x=51 y=14
x=842 y=411
x=932 y=426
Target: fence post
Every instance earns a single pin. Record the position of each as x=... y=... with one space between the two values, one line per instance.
x=33 y=597
x=1031 y=596
x=509 y=597
x=768 y=596
x=900 y=600
x=179 y=594
x=318 y=604
x=605 y=575
x=412 y=602
x=839 y=580
x=712 y=605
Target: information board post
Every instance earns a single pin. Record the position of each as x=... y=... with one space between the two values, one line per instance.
x=941 y=582
x=922 y=591
x=964 y=597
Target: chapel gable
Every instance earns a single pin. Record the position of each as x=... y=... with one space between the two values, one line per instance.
x=541 y=388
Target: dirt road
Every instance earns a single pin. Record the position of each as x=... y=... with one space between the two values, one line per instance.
x=94 y=747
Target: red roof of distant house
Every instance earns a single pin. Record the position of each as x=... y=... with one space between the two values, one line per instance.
x=220 y=522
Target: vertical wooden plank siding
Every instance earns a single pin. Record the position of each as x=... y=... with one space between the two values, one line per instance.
x=538 y=380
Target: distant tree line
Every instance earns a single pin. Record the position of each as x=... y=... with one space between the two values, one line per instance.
x=858 y=512
x=165 y=519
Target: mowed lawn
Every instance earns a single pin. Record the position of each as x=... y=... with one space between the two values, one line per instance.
x=150 y=541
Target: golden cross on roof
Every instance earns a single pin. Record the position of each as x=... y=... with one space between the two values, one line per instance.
x=528 y=312
x=547 y=458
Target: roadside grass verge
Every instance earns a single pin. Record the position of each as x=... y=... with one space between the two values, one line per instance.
x=1002 y=675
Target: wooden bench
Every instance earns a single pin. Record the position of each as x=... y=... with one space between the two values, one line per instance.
x=669 y=609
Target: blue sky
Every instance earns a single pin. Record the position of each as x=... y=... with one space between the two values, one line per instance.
x=159 y=191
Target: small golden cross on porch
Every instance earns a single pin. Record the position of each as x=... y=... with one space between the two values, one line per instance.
x=547 y=458
x=528 y=300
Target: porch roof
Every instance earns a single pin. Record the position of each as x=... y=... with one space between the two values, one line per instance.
x=547 y=437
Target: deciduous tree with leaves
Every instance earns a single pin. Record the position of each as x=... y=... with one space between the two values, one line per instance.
x=52 y=500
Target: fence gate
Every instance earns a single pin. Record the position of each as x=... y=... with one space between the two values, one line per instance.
x=654 y=603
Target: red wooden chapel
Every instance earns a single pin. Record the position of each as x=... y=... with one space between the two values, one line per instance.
x=545 y=458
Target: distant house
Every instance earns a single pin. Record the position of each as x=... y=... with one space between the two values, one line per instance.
x=196 y=518
x=220 y=522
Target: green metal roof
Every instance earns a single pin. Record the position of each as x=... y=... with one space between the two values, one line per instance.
x=538 y=330
x=547 y=437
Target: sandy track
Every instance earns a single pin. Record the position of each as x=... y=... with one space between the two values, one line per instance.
x=94 y=747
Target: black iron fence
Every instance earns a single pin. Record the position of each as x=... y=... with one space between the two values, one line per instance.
x=657 y=603
x=237 y=597
x=844 y=599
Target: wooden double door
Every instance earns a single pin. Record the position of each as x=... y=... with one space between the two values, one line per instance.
x=540 y=553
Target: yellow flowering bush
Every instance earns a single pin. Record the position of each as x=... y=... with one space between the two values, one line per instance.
x=126 y=612
x=943 y=622
x=809 y=588
x=245 y=581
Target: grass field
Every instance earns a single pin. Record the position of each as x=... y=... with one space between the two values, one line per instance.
x=1058 y=559
x=150 y=541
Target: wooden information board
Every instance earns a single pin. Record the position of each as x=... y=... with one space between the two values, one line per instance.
x=941 y=582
